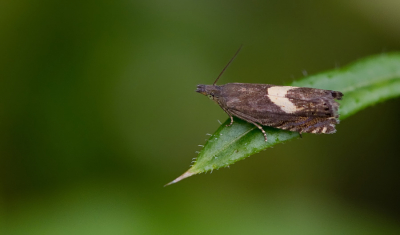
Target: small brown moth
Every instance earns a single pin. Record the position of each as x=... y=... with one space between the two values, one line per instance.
x=300 y=109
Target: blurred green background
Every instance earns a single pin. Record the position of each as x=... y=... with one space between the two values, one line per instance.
x=98 y=112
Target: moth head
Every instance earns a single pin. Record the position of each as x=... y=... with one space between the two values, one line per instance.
x=213 y=92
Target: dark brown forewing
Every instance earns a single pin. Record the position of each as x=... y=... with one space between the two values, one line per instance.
x=267 y=105
x=244 y=89
x=305 y=93
x=259 y=105
x=293 y=123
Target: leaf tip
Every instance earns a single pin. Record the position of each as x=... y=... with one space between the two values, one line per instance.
x=183 y=176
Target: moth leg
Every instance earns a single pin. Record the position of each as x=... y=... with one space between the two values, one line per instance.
x=259 y=127
x=230 y=124
x=300 y=135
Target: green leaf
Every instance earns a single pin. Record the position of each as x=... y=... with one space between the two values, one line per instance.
x=363 y=83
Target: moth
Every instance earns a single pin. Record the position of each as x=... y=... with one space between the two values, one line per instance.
x=299 y=109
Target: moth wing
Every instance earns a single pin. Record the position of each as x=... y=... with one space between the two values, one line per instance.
x=303 y=93
x=266 y=105
x=314 y=116
x=292 y=123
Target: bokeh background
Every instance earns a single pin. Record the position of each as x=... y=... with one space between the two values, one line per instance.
x=98 y=112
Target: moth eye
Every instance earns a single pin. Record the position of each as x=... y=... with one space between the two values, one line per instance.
x=210 y=96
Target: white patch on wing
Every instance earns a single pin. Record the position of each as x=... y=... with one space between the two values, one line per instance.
x=280 y=91
x=284 y=103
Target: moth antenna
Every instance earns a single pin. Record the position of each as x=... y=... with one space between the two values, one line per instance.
x=226 y=66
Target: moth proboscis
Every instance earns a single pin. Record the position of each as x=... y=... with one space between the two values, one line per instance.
x=299 y=109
